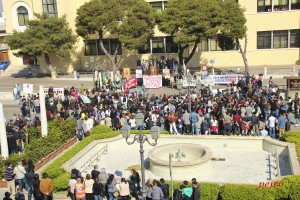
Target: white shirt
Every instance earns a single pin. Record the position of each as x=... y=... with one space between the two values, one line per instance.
x=88 y=184
x=271 y=121
x=132 y=122
x=72 y=183
x=20 y=172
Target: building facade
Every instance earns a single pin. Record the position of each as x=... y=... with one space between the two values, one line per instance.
x=273 y=36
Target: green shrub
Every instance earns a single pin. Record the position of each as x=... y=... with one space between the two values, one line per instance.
x=209 y=191
x=55 y=169
x=245 y=192
x=61 y=182
x=101 y=129
x=293 y=137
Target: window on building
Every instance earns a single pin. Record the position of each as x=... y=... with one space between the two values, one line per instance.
x=280 y=5
x=50 y=7
x=280 y=39
x=91 y=48
x=145 y=49
x=295 y=4
x=295 y=38
x=214 y=45
x=110 y=45
x=203 y=45
x=264 y=5
x=23 y=17
x=264 y=40
x=158 y=45
x=171 y=47
x=157 y=5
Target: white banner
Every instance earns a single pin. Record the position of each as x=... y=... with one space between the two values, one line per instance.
x=154 y=81
x=226 y=79
x=28 y=88
x=58 y=92
x=138 y=73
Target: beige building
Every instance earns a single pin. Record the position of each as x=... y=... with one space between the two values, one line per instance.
x=273 y=36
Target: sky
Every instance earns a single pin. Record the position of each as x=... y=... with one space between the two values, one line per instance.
x=1 y=9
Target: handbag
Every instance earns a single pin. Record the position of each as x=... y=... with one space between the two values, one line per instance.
x=116 y=194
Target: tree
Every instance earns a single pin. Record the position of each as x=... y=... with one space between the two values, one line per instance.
x=131 y=21
x=189 y=21
x=43 y=36
x=233 y=28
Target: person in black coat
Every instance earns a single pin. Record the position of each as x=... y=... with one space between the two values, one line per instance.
x=36 y=188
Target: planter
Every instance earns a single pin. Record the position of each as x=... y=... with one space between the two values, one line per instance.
x=3 y=184
x=55 y=153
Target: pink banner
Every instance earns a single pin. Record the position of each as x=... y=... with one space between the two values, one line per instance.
x=152 y=81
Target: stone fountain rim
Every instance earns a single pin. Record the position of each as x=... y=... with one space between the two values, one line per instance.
x=207 y=156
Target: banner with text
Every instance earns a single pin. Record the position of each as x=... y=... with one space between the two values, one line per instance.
x=226 y=79
x=58 y=92
x=132 y=82
x=152 y=81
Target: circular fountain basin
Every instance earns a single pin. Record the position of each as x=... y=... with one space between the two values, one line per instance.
x=188 y=160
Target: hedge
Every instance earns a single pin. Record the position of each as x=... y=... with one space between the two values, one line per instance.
x=59 y=132
x=293 y=137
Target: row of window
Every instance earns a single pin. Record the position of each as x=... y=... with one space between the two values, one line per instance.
x=92 y=47
x=277 y=5
x=278 y=39
x=49 y=6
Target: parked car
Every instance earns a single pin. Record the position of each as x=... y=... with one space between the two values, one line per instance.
x=4 y=64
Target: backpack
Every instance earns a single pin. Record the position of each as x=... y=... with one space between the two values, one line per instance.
x=177 y=195
x=165 y=190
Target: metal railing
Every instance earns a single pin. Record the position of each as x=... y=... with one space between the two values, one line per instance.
x=94 y=158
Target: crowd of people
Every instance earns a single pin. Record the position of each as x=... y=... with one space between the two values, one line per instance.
x=22 y=179
x=245 y=108
x=99 y=184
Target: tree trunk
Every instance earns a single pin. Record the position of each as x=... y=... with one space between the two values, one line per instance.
x=49 y=66
x=180 y=53
x=111 y=58
x=244 y=52
x=193 y=51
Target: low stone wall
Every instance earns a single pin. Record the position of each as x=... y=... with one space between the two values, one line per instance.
x=55 y=153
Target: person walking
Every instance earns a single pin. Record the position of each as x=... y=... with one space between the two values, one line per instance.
x=36 y=188
x=10 y=179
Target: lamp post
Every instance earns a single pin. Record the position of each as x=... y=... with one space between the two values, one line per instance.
x=141 y=138
x=199 y=86
x=189 y=79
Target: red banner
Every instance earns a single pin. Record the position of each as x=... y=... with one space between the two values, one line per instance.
x=132 y=82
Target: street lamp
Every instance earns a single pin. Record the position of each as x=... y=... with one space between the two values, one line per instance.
x=199 y=86
x=141 y=138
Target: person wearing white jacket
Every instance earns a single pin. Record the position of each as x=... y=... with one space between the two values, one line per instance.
x=20 y=172
x=124 y=189
x=88 y=185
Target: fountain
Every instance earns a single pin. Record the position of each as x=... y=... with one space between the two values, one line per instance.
x=188 y=160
